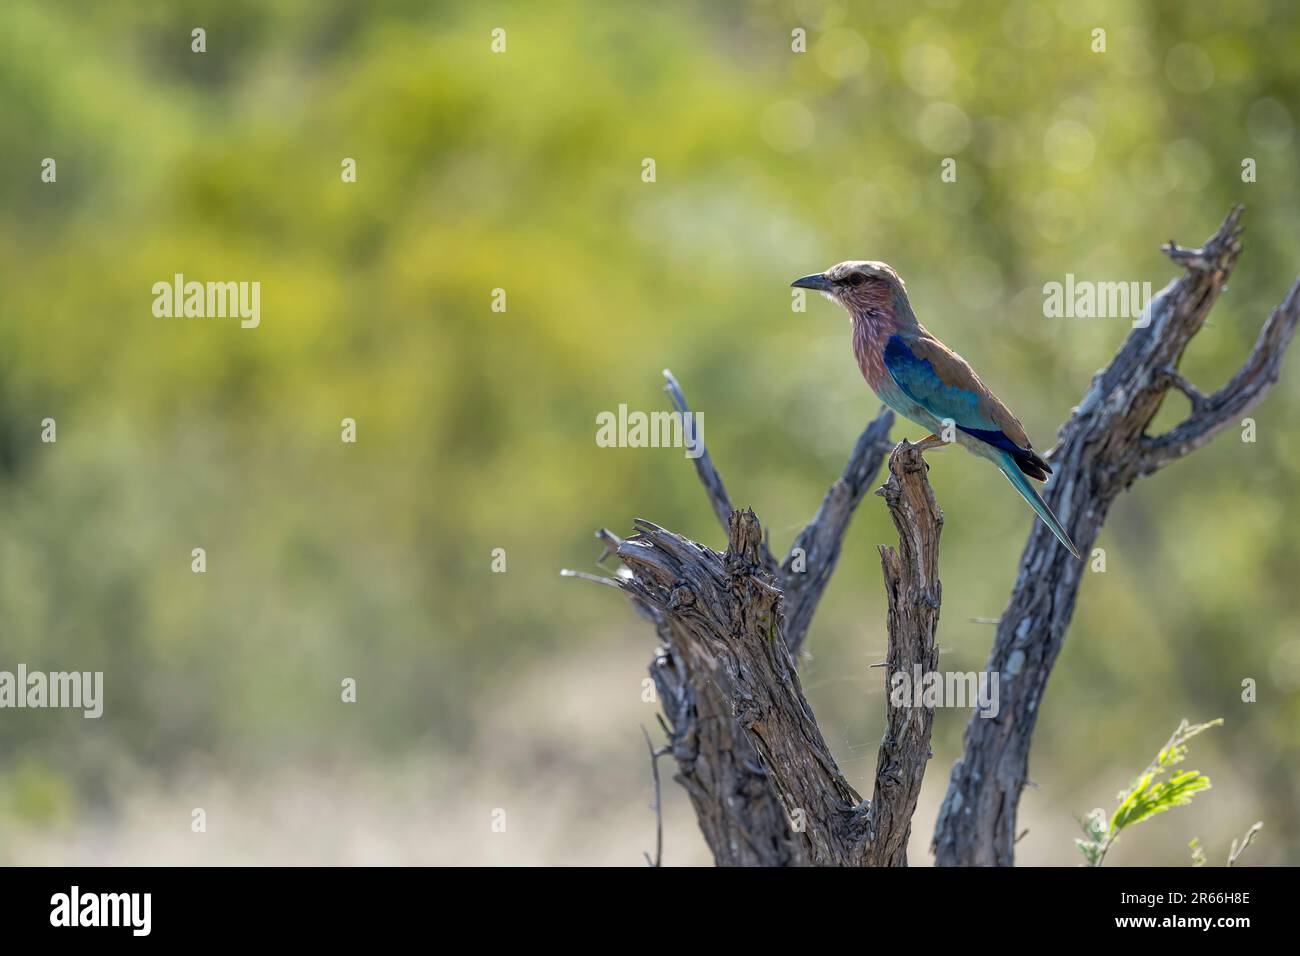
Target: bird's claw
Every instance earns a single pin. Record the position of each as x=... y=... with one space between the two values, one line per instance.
x=929 y=442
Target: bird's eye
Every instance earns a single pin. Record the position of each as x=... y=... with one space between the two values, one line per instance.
x=857 y=279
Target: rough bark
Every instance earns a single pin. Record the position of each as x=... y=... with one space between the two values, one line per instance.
x=759 y=773
x=740 y=814
x=723 y=616
x=1100 y=451
x=913 y=593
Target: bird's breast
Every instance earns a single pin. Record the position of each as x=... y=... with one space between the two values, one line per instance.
x=869 y=350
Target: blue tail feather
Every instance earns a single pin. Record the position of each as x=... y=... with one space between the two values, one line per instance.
x=1021 y=483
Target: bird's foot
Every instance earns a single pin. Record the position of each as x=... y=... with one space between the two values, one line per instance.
x=930 y=441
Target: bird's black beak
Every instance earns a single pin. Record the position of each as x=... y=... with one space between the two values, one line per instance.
x=817 y=282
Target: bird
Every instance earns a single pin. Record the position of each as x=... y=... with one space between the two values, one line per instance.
x=923 y=380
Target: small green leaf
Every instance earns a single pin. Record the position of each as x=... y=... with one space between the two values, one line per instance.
x=1089 y=849
x=1152 y=798
x=1149 y=795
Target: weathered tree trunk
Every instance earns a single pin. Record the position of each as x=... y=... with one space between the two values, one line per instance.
x=749 y=752
x=761 y=778
x=1100 y=452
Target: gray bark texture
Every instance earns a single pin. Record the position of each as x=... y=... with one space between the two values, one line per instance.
x=748 y=749
x=1100 y=452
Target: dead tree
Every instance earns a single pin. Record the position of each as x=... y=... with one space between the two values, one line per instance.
x=749 y=752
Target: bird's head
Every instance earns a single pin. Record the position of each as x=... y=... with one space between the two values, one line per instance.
x=859 y=286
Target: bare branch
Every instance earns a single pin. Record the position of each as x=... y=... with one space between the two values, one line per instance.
x=729 y=686
x=737 y=809
x=1101 y=450
x=726 y=631
x=704 y=467
x=1235 y=853
x=1174 y=378
x=611 y=541
x=1208 y=258
x=1247 y=388
x=739 y=815
x=808 y=567
x=658 y=805
x=914 y=593
x=593 y=578
x=739 y=812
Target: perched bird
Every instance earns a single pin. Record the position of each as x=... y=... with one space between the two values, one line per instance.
x=925 y=381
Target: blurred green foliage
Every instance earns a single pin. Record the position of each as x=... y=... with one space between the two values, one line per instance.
x=522 y=171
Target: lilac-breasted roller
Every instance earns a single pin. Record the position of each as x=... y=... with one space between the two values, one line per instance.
x=923 y=380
